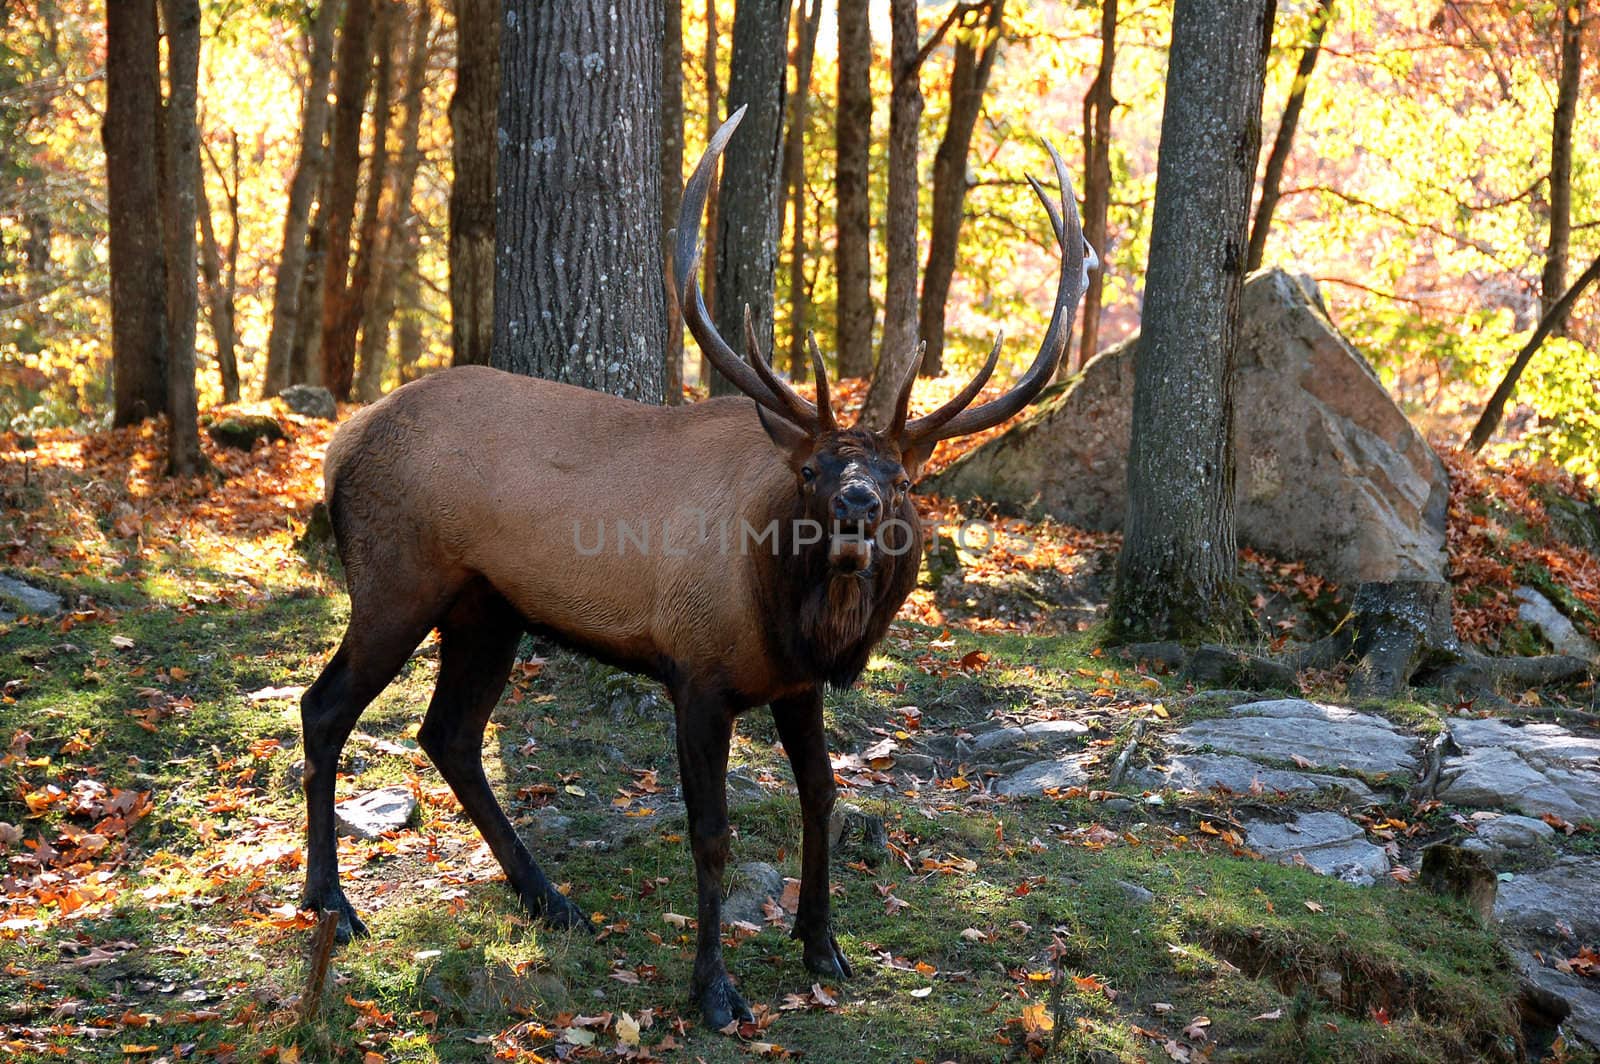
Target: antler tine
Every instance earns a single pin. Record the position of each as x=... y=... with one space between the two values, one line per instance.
x=798 y=410
x=933 y=421
x=825 y=419
x=1078 y=258
x=902 y=403
x=686 y=266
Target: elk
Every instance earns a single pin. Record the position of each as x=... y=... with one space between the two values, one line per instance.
x=468 y=501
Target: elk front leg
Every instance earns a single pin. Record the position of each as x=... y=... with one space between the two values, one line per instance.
x=705 y=728
x=799 y=722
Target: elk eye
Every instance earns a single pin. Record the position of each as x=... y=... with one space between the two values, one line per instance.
x=807 y=474
x=902 y=486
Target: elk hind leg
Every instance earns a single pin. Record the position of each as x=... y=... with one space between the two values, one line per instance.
x=477 y=646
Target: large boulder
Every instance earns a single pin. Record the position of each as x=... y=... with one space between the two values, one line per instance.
x=1329 y=471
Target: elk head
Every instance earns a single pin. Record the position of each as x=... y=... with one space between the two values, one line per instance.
x=852 y=480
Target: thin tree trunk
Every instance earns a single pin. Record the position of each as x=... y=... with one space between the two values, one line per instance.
x=578 y=228
x=899 y=344
x=1097 y=107
x=1550 y=324
x=671 y=182
x=794 y=169
x=708 y=257
x=369 y=242
x=853 y=140
x=749 y=202
x=302 y=190
x=378 y=305
x=408 y=342
x=1176 y=572
x=138 y=256
x=968 y=81
x=1283 y=143
x=1554 y=279
x=473 y=147
x=304 y=365
x=219 y=294
x=352 y=79
x=182 y=19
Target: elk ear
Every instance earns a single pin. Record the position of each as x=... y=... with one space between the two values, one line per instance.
x=789 y=437
x=914 y=457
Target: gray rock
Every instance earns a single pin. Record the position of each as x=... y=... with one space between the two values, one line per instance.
x=1049 y=734
x=1495 y=777
x=369 y=815
x=308 y=400
x=1563 y=900
x=1135 y=894
x=1550 y=741
x=1514 y=832
x=1329 y=469
x=1328 y=843
x=1328 y=736
x=918 y=764
x=548 y=820
x=464 y=987
x=1539 y=612
x=751 y=884
x=1203 y=773
x=1582 y=995
x=243 y=431
x=24 y=598
x=1069 y=771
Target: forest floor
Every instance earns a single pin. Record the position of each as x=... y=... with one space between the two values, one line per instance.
x=151 y=828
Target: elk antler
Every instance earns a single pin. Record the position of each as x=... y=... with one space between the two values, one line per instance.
x=953 y=419
x=760 y=383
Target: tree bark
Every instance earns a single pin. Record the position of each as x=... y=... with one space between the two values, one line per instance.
x=708 y=255
x=352 y=79
x=1283 y=143
x=1097 y=107
x=974 y=58
x=369 y=244
x=302 y=190
x=138 y=257
x=219 y=289
x=794 y=170
x=1176 y=572
x=853 y=139
x=378 y=305
x=899 y=343
x=671 y=183
x=578 y=224
x=1553 y=319
x=748 y=204
x=182 y=19
x=472 y=150
x=1553 y=282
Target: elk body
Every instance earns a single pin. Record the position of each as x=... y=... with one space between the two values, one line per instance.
x=740 y=553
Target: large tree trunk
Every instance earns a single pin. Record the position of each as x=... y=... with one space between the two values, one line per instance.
x=1097 y=107
x=182 y=19
x=748 y=203
x=220 y=287
x=578 y=229
x=138 y=256
x=352 y=79
x=302 y=190
x=974 y=59
x=473 y=147
x=1283 y=143
x=1554 y=280
x=708 y=256
x=1176 y=572
x=671 y=183
x=378 y=304
x=794 y=180
x=899 y=344
x=853 y=138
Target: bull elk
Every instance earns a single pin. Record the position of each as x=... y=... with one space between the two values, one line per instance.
x=468 y=502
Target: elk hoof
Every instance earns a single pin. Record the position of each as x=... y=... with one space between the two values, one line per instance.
x=721 y=1004
x=349 y=926
x=558 y=911
x=826 y=959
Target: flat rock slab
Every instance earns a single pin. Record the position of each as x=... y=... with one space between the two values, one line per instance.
x=23 y=597
x=1069 y=771
x=1327 y=843
x=1535 y=769
x=1203 y=773
x=1050 y=733
x=1327 y=736
x=1564 y=900
x=1582 y=994
x=1507 y=835
x=372 y=814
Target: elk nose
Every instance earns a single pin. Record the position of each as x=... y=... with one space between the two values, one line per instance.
x=857 y=502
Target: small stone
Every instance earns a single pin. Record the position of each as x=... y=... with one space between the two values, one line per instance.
x=308 y=400
x=1135 y=894
x=1119 y=805
x=752 y=884
x=861 y=833
x=1327 y=843
x=1513 y=832
x=242 y=431
x=376 y=812
x=1536 y=610
x=548 y=820
x=1069 y=771
x=28 y=600
x=1045 y=733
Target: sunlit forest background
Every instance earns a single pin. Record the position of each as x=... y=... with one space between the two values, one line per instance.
x=1416 y=194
